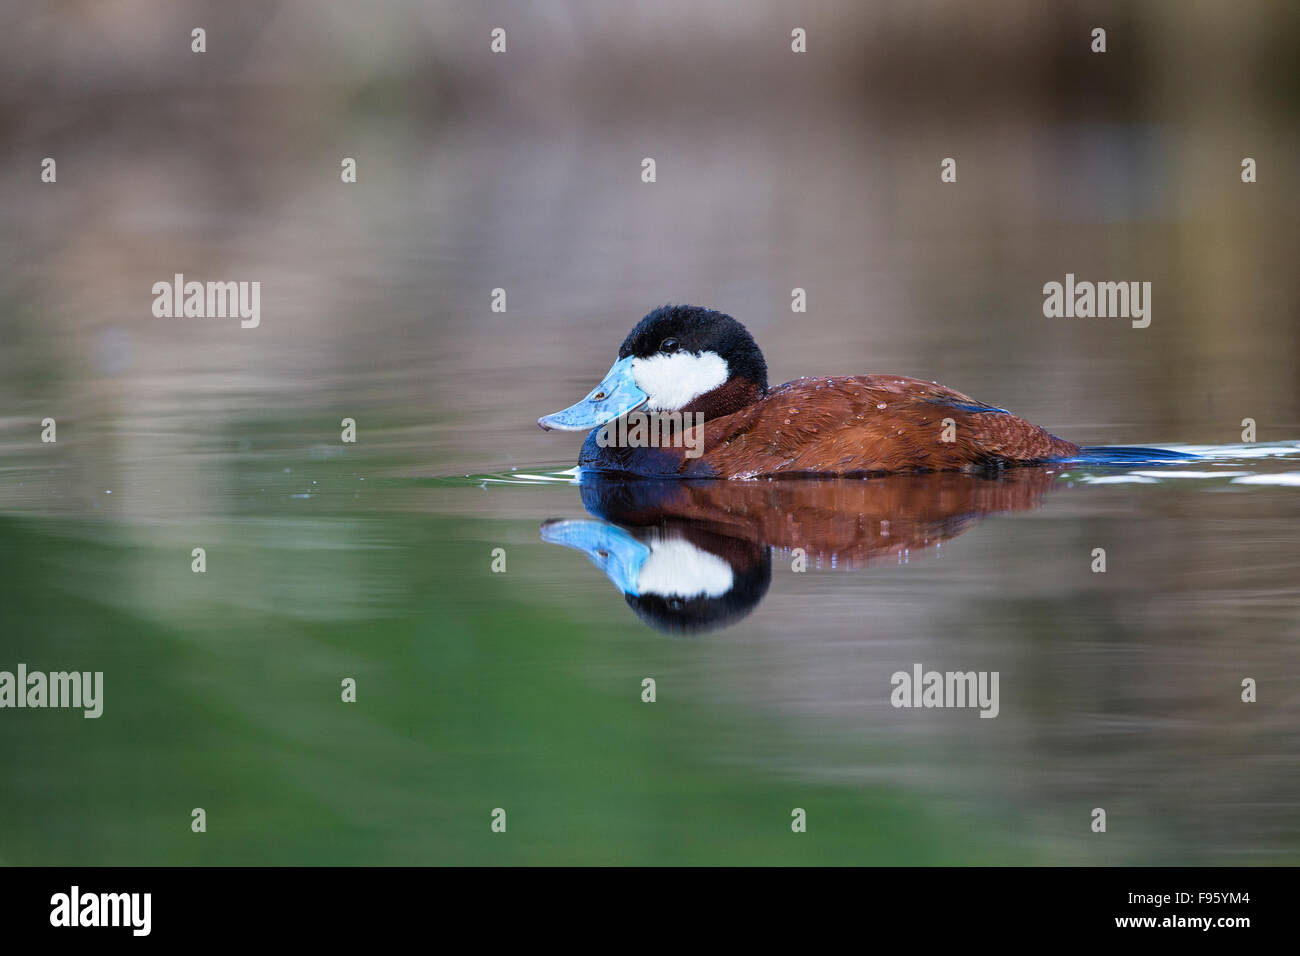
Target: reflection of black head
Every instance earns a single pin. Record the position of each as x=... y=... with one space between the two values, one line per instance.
x=640 y=507
x=681 y=616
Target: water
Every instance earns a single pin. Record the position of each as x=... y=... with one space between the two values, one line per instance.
x=522 y=690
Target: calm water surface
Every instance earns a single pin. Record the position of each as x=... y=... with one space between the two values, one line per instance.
x=522 y=689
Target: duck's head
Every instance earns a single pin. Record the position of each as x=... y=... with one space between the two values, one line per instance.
x=679 y=358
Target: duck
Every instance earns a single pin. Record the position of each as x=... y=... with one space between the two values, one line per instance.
x=688 y=397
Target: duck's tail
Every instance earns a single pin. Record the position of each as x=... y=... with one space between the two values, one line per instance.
x=1128 y=455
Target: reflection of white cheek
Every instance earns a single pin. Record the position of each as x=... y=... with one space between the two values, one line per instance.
x=676 y=568
x=671 y=381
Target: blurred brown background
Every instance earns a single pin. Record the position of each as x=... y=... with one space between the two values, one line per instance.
x=522 y=171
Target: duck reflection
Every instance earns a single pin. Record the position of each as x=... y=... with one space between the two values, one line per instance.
x=697 y=556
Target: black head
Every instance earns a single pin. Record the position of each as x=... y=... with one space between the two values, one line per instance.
x=688 y=328
x=679 y=358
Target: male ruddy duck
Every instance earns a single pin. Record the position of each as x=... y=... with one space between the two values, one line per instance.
x=705 y=364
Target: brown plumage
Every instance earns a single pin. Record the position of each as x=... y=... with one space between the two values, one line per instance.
x=867 y=424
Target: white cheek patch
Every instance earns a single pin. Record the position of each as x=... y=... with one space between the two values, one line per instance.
x=672 y=381
x=676 y=568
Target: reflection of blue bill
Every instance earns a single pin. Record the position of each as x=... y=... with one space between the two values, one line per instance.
x=609 y=547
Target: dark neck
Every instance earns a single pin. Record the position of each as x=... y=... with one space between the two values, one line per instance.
x=730 y=397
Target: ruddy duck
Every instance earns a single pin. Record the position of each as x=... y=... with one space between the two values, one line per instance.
x=701 y=372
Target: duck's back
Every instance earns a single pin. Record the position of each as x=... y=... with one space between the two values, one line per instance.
x=868 y=424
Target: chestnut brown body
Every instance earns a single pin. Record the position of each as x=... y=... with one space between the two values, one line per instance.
x=847 y=425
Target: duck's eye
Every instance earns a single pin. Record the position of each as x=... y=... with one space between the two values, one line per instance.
x=598 y=397
x=668 y=346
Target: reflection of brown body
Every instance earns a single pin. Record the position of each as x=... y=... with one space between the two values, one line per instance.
x=852 y=522
x=845 y=524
